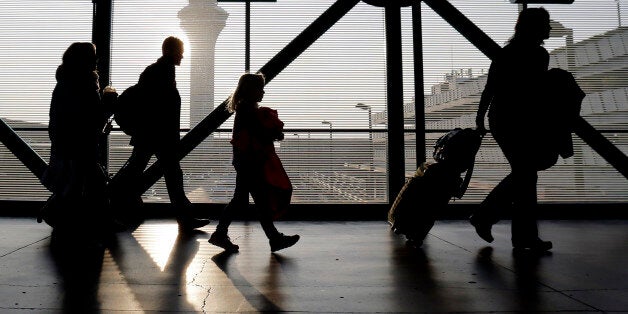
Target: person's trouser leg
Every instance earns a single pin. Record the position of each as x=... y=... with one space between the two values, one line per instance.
x=517 y=148
x=131 y=173
x=260 y=193
x=239 y=201
x=247 y=182
x=524 y=220
x=173 y=175
x=500 y=197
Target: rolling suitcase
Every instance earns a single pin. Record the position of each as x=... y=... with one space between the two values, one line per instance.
x=428 y=191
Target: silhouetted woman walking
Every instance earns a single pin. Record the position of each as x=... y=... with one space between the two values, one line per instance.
x=77 y=119
x=514 y=92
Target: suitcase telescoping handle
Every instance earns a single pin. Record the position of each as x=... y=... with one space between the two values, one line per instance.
x=469 y=173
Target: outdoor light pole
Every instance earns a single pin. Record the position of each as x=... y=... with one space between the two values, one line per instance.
x=371 y=146
x=330 y=136
x=297 y=142
x=369 y=109
x=330 y=126
x=618 y=14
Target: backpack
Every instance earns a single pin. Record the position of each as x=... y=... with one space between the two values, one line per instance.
x=127 y=112
x=457 y=149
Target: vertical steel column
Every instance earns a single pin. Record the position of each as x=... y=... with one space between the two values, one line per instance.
x=101 y=37
x=394 y=95
x=419 y=99
x=247 y=38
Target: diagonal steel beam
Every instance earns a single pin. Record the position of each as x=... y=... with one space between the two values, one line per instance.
x=490 y=48
x=602 y=145
x=21 y=150
x=271 y=69
x=464 y=26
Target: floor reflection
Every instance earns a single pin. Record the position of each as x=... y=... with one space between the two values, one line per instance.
x=528 y=286
x=260 y=301
x=276 y=265
x=529 y=283
x=78 y=260
x=340 y=267
x=413 y=270
x=154 y=286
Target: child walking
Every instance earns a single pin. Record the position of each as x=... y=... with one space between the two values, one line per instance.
x=258 y=168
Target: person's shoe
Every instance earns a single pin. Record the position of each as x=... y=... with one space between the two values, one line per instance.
x=414 y=243
x=115 y=226
x=223 y=241
x=537 y=245
x=483 y=229
x=189 y=223
x=283 y=241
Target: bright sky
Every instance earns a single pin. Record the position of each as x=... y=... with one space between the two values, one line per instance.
x=344 y=67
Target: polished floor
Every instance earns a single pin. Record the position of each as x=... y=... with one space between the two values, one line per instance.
x=336 y=267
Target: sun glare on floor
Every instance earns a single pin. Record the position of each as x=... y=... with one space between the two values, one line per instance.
x=158 y=241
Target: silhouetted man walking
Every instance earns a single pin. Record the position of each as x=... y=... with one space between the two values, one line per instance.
x=158 y=132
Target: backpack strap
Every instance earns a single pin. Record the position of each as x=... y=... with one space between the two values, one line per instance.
x=468 y=174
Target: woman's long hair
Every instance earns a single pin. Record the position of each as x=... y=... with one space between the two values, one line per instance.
x=532 y=26
x=243 y=93
x=79 y=65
